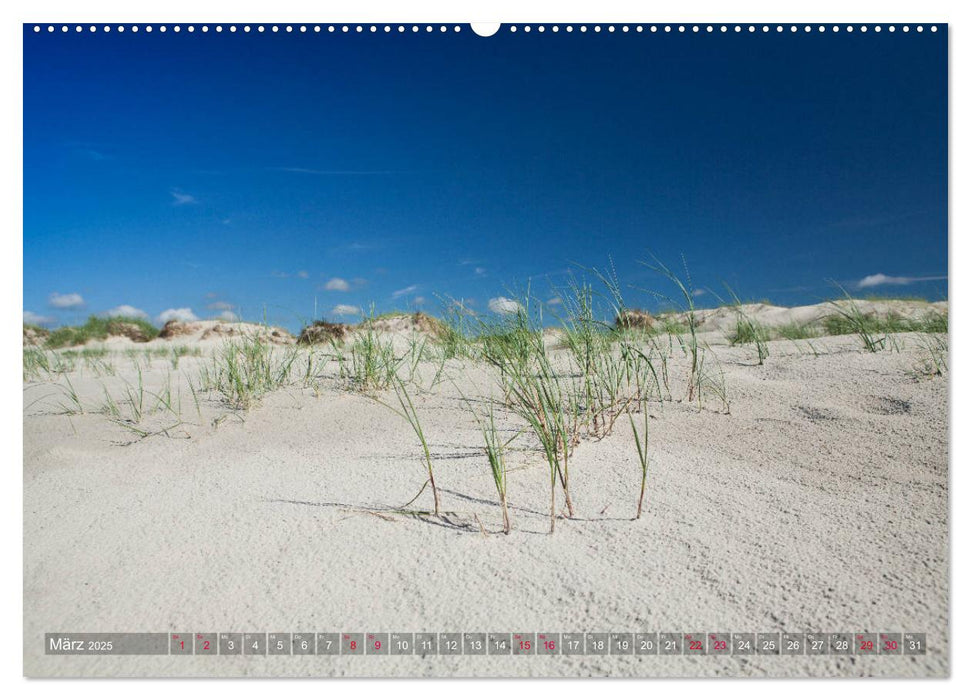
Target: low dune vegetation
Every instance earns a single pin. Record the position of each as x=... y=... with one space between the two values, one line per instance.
x=137 y=330
x=561 y=378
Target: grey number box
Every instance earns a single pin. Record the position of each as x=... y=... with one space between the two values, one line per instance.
x=793 y=643
x=621 y=643
x=523 y=644
x=278 y=644
x=743 y=643
x=669 y=643
x=352 y=643
x=693 y=643
x=254 y=643
x=428 y=643
x=377 y=643
x=474 y=643
x=180 y=643
x=304 y=643
x=572 y=643
x=645 y=643
x=328 y=643
x=719 y=643
x=548 y=643
x=891 y=643
x=840 y=643
x=230 y=643
x=597 y=643
x=865 y=643
x=402 y=643
x=768 y=643
x=500 y=643
x=449 y=643
x=915 y=643
x=206 y=643
x=816 y=644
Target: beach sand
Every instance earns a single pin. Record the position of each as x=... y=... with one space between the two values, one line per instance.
x=819 y=503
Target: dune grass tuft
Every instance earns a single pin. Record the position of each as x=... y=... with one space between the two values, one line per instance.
x=932 y=360
x=407 y=411
x=641 y=444
x=99 y=328
x=748 y=330
x=370 y=363
x=244 y=370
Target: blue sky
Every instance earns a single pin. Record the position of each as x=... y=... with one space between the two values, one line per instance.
x=253 y=174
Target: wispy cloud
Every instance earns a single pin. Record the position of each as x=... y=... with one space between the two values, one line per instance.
x=881 y=279
x=220 y=306
x=555 y=301
x=337 y=284
x=65 y=301
x=92 y=154
x=125 y=310
x=183 y=314
x=279 y=274
x=697 y=292
x=316 y=171
x=361 y=246
x=476 y=266
x=505 y=306
x=37 y=319
x=345 y=310
x=227 y=316
x=410 y=289
x=181 y=198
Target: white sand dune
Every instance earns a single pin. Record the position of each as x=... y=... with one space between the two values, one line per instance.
x=819 y=503
x=723 y=319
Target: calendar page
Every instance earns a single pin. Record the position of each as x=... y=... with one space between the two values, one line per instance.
x=545 y=349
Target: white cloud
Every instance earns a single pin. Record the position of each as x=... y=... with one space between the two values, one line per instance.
x=697 y=292
x=880 y=279
x=336 y=284
x=228 y=316
x=419 y=300
x=303 y=274
x=181 y=198
x=126 y=310
x=555 y=301
x=65 y=301
x=37 y=320
x=410 y=289
x=183 y=314
x=94 y=155
x=480 y=271
x=219 y=306
x=345 y=310
x=502 y=305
